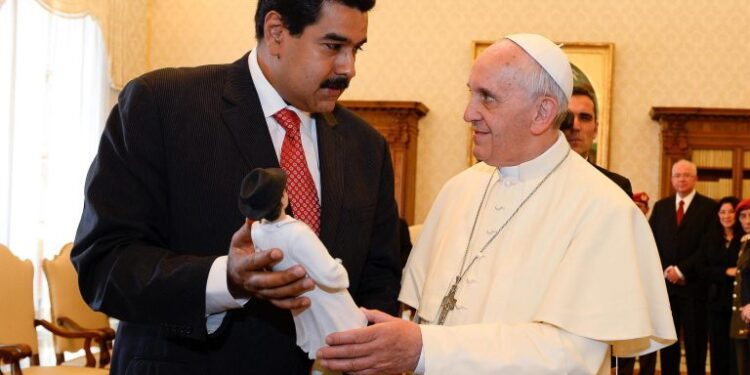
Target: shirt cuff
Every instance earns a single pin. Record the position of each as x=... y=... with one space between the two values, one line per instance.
x=218 y=298
x=420 y=364
x=679 y=273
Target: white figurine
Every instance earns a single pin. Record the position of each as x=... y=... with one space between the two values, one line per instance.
x=263 y=198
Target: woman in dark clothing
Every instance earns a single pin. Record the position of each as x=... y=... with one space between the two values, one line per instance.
x=740 y=327
x=719 y=266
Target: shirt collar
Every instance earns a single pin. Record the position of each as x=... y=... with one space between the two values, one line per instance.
x=270 y=100
x=539 y=166
x=688 y=198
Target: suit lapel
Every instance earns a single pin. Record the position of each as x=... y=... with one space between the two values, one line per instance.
x=331 y=154
x=243 y=117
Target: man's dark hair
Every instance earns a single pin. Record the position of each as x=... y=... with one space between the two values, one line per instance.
x=588 y=91
x=298 y=14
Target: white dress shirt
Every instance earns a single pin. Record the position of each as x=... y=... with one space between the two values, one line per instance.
x=687 y=199
x=218 y=298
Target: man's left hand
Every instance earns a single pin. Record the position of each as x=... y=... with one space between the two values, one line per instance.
x=673 y=276
x=389 y=346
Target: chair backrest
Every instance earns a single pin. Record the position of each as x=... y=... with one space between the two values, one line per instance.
x=17 y=299
x=414 y=232
x=66 y=300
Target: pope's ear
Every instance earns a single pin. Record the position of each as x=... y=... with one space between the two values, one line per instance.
x=544 y=117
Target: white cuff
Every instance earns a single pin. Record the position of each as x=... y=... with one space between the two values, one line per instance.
x=420 y=364
x=218 y=298
x=677 y=269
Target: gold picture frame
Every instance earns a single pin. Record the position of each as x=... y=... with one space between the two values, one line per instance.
x=596 y=60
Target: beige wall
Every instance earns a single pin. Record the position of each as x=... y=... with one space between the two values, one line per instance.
x=667 y=53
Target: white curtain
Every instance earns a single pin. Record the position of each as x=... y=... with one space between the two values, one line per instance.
x=54 y=97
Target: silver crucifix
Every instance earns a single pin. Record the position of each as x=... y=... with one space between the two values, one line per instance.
x=448 y=303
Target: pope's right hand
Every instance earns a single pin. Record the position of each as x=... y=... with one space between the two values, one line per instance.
x=249 y=274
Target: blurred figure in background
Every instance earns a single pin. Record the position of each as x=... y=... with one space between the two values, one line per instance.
x=582 y=124
x=641 y=200
x=741 y=297
x=717 y=264
x=679 y=222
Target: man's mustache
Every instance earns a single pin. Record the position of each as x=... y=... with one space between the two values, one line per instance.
x=335 y=83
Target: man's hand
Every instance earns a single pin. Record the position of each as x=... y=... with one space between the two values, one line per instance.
x=249 y=274
x=731 y=272
x=390 y=346
x=745 y=313
x=671 y=274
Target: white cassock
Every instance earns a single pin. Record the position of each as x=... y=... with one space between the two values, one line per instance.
x=332 y=308
x=575 y=271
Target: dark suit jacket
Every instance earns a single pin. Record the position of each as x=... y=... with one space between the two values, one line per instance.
x=620 y=180
x=712 y=261
x=678 y=244
x=162 y=203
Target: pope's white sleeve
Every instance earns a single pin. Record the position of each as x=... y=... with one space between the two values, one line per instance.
x=528 y=348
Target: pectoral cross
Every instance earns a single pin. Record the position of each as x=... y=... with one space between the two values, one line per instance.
x=448 y=303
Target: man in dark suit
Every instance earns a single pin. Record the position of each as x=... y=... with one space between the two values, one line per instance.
x=582 y=124
x=679 y=222
x=158 y=245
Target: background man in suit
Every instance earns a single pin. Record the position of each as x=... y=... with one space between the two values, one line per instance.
x=161 y=198
x=679 y=222
x=581 y=126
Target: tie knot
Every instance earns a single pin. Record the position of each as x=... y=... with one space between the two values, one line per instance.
x=287 y=119
x=682 y=203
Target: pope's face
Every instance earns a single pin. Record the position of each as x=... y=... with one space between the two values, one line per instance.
x=582 y=134
x=501 y=108
x=317 y=65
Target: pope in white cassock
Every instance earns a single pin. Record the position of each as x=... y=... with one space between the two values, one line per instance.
x=530 y=262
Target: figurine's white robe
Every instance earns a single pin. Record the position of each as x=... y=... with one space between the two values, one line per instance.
x=332 y=308
x=575 y=271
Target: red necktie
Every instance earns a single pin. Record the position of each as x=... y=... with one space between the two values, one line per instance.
x=300 y=186
x=680 y=212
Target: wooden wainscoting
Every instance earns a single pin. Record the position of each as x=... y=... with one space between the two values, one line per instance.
x=398 y=122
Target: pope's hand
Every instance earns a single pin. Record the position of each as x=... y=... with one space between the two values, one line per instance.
x=249 y=274
x=389 y=346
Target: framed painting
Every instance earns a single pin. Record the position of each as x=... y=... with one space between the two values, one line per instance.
x=596 y=61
